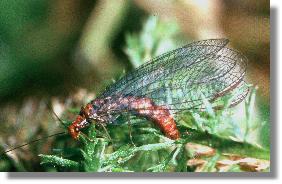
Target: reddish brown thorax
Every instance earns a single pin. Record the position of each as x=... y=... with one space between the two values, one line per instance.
x=143 y=107
x=81 y=121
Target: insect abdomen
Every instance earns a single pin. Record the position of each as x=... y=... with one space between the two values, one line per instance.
x=160 y=115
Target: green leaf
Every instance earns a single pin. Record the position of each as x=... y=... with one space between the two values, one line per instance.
x=58 y=161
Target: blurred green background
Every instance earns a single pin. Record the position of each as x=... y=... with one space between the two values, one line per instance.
x=65 y=52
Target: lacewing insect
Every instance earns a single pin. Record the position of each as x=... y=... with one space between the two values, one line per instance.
x=169 y=84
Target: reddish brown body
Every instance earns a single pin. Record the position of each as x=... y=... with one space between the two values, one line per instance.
x=100 y=110
x=159 y=115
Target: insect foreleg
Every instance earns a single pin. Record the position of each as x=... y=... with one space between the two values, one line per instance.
x=106 y=131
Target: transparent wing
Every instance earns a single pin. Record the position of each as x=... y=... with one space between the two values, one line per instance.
x=180 y=79
x=160 y=66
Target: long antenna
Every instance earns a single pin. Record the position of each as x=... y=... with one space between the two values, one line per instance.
x=55 y=114
x=33 y=141
x=37 y=140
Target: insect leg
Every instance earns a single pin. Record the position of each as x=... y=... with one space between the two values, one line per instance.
x=88 y=138
x=129 y=127
x=106 y=131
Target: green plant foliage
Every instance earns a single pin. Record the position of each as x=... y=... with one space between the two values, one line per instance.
x=155 y=38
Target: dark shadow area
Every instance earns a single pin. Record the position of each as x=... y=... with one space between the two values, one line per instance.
x=273 y=89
